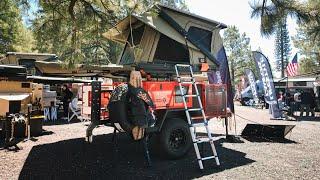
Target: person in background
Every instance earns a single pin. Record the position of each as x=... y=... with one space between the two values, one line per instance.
x=307 y=103
x=295 y=104
x=281 y=100
x=288 y=98
x=297 y=97
x=66 y=99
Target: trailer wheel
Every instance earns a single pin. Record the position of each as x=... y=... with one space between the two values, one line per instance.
x=175 y=138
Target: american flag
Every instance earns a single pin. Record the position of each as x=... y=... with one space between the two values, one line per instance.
x=292 y=68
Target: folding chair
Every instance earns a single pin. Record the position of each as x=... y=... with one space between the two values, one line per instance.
x=74 y=110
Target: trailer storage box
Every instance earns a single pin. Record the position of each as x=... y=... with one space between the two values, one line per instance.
x=215 y=100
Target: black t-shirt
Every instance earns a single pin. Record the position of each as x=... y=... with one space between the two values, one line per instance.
x=307 y=98
x=67 y=95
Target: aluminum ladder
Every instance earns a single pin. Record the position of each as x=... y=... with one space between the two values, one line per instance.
x=192 y=126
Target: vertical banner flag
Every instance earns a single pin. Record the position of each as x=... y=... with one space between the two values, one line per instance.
x=270 y=96
x=222 y=75
x=252 y=82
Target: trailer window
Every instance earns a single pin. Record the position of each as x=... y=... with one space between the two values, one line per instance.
x=169 y=50
x=300 y=83
x=29 y=64
x=128 y=55
x=202 y=36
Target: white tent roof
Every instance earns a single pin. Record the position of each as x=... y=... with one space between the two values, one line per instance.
x=14 y=96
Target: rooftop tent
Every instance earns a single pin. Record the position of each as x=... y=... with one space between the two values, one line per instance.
x=27 y=60
x=18 y=58
x=161 y=38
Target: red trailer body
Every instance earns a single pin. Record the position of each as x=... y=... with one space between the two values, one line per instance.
x=166 y=96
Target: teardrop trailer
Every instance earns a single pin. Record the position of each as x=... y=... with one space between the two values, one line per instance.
x=174 y=49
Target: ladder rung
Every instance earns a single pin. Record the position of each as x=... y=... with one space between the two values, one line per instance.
x=191 y=95
x=199 y=124
x=195 y=109
x=200 y=118
x=185 y=77
x=207 y=158
x=183 y=65
x=202 y=140
x=186 y=82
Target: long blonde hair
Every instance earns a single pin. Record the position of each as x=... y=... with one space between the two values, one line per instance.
x=135 y=79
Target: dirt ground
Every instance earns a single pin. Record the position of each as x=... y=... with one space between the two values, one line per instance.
x=62 y=153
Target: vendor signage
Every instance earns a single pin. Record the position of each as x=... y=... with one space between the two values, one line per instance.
x=263 y=67
x=252 y=82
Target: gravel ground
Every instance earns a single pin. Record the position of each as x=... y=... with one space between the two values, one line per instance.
x=63 y=154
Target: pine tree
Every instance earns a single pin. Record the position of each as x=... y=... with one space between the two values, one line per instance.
x=239 y=53
x=13 y=35
x=282 y=47
x=180 y=4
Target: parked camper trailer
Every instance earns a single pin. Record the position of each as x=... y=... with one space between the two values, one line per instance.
x=154 y=45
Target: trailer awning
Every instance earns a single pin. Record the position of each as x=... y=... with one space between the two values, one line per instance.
x=14 y=96
x=81 y=70
x=43 y=79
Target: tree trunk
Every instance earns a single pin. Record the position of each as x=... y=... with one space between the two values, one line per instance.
x=232 y=72
x=282 y=51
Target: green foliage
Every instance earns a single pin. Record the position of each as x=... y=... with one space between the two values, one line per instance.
x=309 y=49
x=282 y=47
x=73 y=29
x=271 y=12
x=13 y=35
x=239 y=53
x=308 y=65
x=180 y=4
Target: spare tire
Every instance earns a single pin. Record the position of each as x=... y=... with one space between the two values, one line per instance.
x=175 y=139
x=118 y=114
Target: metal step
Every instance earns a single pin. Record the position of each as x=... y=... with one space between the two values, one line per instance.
x=203 y=124
x=194 y=109
x=190 y=95
x=207 y=158
x=203 y=140
x=183 y=65
x=186 y=82
x=185 y=77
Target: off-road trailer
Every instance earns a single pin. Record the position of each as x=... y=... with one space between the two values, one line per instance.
x=171 y=128
x=163 y=40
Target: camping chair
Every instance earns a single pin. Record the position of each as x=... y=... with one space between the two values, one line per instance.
x=74 y=110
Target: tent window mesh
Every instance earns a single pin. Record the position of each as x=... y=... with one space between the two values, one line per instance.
x=169 y=50
x=128 y=55
x=202 y=36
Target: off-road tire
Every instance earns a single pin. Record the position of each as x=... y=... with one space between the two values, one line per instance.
x=175 y=139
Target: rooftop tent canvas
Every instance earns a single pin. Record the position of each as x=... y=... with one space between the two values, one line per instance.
x=159 y=41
